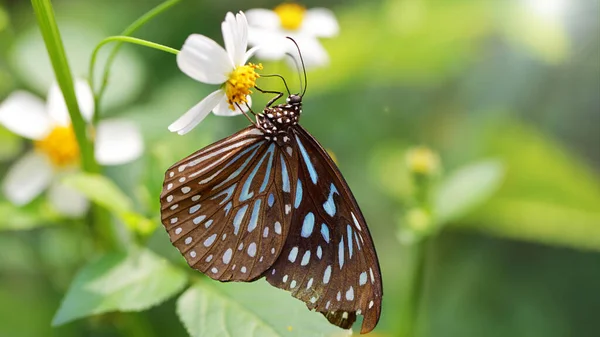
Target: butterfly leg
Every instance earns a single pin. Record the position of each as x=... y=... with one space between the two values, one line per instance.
x=246 y=114
x=279 y=94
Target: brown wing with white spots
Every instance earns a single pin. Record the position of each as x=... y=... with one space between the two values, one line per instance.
x=328 y=260
x=224 y=207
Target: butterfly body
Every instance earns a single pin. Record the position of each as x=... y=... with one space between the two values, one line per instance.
x=276 y=121
x=269 y=202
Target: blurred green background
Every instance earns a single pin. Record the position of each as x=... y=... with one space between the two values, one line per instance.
x=514 y=81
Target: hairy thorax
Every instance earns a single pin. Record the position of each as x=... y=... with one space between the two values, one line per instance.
x=276 y=121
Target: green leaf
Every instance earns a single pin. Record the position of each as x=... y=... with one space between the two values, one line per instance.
x=27 y=217
x=549 y=195
x=11 y=143
x=441 y=41
x=249 y=309
x=467 y=188
x=100 y=190
x=132 y=281
x=538 y=221
x=105 y=193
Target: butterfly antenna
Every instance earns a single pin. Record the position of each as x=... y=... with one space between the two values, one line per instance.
x=303 y=66
x=282 y=78
x=297 y=69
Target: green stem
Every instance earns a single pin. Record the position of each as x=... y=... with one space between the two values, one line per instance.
x=132 y=28
x=120 y=39
x=107 y=236
x=56 y=51
x=413 y=287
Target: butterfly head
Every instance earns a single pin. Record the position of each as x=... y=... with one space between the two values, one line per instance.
x=294 y=99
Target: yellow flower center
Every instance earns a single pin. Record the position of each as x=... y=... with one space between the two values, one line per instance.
x=291 y=15
x=60 y=146
x=240 y=81
x=422 y=160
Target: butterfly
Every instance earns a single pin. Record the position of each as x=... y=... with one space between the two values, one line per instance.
x=270 y=202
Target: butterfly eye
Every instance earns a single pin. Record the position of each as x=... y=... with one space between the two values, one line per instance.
x=294 y=99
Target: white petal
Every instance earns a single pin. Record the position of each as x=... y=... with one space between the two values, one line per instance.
x=204 y=60
x=67 y=201
x=263 y=18
x=235 y=35
x=197 y=113
x=312 y=51
x=250 y=53
x=57 y=108
x=25 y=115
x=272 y=44
x=320 y=22
x=242 y=43
x=85 y=98
x=27 y=178
x=222 y=109
x=118 y=142
x=228 y=31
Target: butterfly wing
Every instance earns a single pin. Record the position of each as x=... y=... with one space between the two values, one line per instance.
x=224 y=207
x=329 y=260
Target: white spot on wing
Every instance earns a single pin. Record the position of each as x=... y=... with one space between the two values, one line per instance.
x=305 y=258
x=210 y=240
x=194 y=208
x=362 y=279
x=350 y=294
x=327 y=274
x=293 y=255
x=277 y=227
x=356 y=222
x=252 y=249
x=227 y=256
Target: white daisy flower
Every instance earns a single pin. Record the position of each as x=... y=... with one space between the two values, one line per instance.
x=268 y=30
x=55 y=151
x=206 y=61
